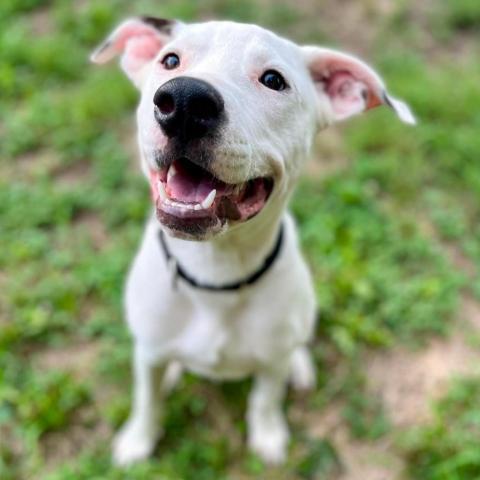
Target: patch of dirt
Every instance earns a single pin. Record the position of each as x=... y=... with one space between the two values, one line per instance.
x=461 y=49
x=77 y=359
x=408 y=381
x=458 y=258
x=30 y=164
x=41 y=21
x=84 y=431
x=470 y=313
x=353 y=25
x=374 y=460
x=220 y=416
x=95 y=227
x=362 y=461
x=28 y=160
x=73 y=175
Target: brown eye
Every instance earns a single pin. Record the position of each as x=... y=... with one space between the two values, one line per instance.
x=171 y=61
x=273 y=80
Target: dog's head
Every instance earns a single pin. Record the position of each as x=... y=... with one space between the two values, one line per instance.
x=228 y=113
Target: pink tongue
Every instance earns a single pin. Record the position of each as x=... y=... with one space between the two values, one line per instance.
x=189 y=188
x=192 y=184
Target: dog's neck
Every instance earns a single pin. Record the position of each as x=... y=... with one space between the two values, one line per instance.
x=231 y=256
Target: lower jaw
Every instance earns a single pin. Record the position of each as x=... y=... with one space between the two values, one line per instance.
x=202 y=224
x=190 y=228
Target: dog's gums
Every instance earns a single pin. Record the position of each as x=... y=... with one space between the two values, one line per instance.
x=184 y=192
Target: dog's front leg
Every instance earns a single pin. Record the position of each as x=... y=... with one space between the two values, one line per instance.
x=139 y=435
x=267 y=429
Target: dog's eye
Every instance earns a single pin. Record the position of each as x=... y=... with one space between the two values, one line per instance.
x=273 y=80
x=171 y=61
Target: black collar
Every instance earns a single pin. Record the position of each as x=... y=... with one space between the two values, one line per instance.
x=179 y=271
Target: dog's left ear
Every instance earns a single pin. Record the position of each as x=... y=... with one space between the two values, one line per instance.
x=138 y=41
x=350 y=85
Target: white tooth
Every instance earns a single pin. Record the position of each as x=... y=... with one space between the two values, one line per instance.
x=172 y=171
x=207 y=203
x=161 y=190
x=197 y=207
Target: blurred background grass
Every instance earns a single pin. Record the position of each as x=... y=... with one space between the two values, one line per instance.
x=389 y=220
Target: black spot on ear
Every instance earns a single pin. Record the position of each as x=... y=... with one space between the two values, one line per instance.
x=161 y=24
x=103 y=47
x=386 y=100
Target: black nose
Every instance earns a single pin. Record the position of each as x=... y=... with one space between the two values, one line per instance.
x=188 y=108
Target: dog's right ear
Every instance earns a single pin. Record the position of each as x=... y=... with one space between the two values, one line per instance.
x=349 y=85
x=138 y=40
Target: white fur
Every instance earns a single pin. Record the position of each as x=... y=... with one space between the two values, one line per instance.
x=262 y=330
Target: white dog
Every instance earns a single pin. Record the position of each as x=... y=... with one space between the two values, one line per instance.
x=227 y=117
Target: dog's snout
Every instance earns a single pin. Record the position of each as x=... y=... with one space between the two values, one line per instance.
x=188 y=108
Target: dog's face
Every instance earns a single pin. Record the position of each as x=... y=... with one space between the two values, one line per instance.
x=228 y=113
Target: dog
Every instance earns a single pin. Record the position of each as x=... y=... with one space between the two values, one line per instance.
x=227 y=117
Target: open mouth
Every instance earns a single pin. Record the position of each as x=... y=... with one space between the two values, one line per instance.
x=188 y=197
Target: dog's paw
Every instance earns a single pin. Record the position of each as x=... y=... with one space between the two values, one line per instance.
x=172 y=376
x=269 y=441
x=303 y=376
x=134 y=443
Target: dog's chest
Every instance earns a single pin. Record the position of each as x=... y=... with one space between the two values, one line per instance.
x=219 y=345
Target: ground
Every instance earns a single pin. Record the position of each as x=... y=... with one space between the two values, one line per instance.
x=389 y=220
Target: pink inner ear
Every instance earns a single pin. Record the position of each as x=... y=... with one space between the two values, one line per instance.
x=350 y=85
x=138 y=42
x=140 y=50
x=348 y=95
x=132 y=29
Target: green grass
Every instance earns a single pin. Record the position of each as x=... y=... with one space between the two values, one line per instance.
x=447 y=448
x=463 y=14
x=70 y=196
x=377 y=278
